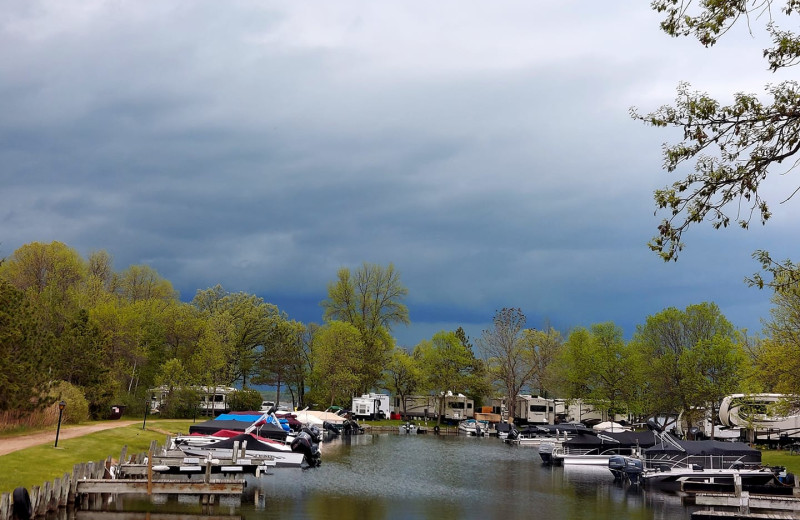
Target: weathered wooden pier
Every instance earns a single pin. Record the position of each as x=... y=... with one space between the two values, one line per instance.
x=742 y=505
x=157 y=472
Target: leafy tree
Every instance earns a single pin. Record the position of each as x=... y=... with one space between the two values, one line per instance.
x=52 y=276
x=778 y=359
x=211 y=365
x=403 y=376
x=247 y=399
x=371 y=300
x=447 y=365
x=175 y=377
x=283 y=357
x=510 y=360
x=672 y=369
x=599 y=367
x=142 y=282
x=82 y=360
x=719 y=363
x=25 y=353
x=734 y=146
x=252 y=319
x=338 y=364
x=544 y=346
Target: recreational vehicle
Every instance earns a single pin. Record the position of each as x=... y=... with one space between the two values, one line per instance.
x=532 y=409
x=771 y=417
x=372 y=406
x=454 y=407
x=212 y=400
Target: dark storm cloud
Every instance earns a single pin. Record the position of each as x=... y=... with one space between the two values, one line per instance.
x=485 y=150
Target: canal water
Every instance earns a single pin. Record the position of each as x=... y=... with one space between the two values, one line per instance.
x=393 y=477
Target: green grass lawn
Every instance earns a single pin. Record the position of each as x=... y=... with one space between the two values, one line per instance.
x=34 y=466
x=781 y=458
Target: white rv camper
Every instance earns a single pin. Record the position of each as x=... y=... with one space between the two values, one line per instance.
x=770 y=416
x=532 y=409
x=454 y=407
x=371 y=406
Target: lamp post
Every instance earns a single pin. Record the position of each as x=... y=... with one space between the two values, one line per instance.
x=146 y=408
x=61 y=406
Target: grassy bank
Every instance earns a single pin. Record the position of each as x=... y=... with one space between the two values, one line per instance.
x=36 y=465
x=781 y=458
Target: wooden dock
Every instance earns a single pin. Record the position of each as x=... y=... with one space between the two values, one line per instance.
x=743 y=505
x=151 y=473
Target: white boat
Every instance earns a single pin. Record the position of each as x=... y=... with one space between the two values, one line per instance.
x=473 y=427
x=249 y=446
x=408 y=428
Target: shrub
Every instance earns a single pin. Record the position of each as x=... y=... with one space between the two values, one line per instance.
x=245 y=400
x=77 y=408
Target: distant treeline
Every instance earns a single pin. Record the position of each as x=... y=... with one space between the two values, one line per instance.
x=74 y=325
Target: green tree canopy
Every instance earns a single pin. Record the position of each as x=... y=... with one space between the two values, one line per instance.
x=683 y=352
x=338 y=364
x=371 y=300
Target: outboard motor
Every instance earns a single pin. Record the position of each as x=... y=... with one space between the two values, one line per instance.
x=313 y=432
x=478 y=431
x=303 y=444
x=513 y=433
x=330 y=427
x=653 y=425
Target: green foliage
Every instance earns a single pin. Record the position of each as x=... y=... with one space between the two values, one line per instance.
x=24 y=353
x=252 y=321
x=600 y=368
x=283 y=359
x=337 y=362
x=245 y=400
x=778 y=359
x=371 y=301
x=77 y=408
x=447 y=365
x=734 y=146
x=403 y=375
x=688 y=358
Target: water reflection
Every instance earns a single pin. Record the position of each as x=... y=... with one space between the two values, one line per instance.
x=391 y=476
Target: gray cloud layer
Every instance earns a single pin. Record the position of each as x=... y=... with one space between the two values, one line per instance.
x=485 y=150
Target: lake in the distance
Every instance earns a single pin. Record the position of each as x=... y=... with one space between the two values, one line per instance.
x=393 y=477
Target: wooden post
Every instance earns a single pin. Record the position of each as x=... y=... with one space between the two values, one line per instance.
x=244 y=449
x=66 y=485
x=121 y=461
x=150 y=473
x=235 y=452
x=207 y=477
x=5 y=506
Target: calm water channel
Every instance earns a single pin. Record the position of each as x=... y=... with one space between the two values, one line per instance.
x=390 y=476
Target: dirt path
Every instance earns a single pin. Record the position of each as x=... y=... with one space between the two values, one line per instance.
x=10 y=444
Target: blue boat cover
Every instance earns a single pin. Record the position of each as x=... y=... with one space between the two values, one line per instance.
x=236 y=417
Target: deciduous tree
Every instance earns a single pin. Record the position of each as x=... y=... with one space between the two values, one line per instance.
x=371 y=300
x=736 y=145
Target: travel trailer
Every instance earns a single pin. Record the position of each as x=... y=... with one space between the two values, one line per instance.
x=771 y=417
x=455 y=407
x=371 y=406
x=532 y=409
x=212 y=400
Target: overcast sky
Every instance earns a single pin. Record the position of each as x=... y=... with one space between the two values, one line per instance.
x=485 y=149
